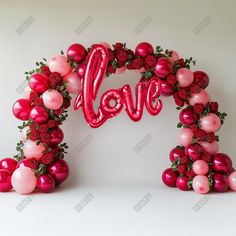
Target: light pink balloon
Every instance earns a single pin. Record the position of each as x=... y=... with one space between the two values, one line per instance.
x=200 y=167
x=52 y=99
x=27 y=91
x=174 y=57
x=59 y=64
x=184 y=76
x=31 y=149
x=210 y=123
x=23 y=180
x=23 y=133
x=232 y=181
x=185 y=136
x=139 y=71
x=202 y=98
x=73 y=83
x=120 y=70
x=211 y=148
x=201 y=184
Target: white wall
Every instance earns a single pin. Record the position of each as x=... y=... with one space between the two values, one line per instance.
x=109 y=158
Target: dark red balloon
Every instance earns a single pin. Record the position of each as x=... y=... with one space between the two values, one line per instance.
x=76 y=52
x=59 y=170
x=45 y=183
x=182 y=183
x=39 y=83
x=194 y=151
x=28 y=162
x=21 y=109
x=169 y=177
x=175 y=153
x=220 y=182
x=56 y=136
x=5 y=181
x=167 y=89
x=188 y=117
x=201 y=78
x=143 y=49
x=8 y=164
x=163 y=68
x=39 y=115
x=222 y=163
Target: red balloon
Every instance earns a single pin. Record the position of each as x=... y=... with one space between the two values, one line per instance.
x=21 y=109
x=194 y=151
x=81 y=70
x=57 y=136
x=175 y=153
x=5 y=181
x=45 y=183
x=39 y=83
x=8 y=164
x=39 y=115
x=59 y=170
x=163 y=68
x=169 y=177
x=222 y=163
x=144 y=49
x=201 y=78
x=167 y=89
x=220 y=182
x=77 y=52
x=188 y=117
x=29 y=162
x=182 y=183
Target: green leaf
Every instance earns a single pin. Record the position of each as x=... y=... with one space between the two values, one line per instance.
x=179 y=125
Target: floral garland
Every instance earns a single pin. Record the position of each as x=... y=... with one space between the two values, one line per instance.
x=39 y=164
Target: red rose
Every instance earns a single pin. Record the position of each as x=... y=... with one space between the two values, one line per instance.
x=190 y=173
x=118 y=46
x=58 y=111
x=33 y=96
x=195 y=88
x=45 y=70
x=52 y=123
x=214 y=106
x=178 y=101
x=66 y=103
x=198 y=108
x=181 y=62
x=32 y=127
x=34 y=135
x=182 y=168
x=55 y=79
x=201 y=135
x=171 y=79
x=45 y=138
x=150 y=60
x=38 y=102
x=131 y=54
x=120 y=64
x=43 y=128
x=194 y=128
x=110 y=69
x=183 y=159
x=47 y=158
x=182 y=93
x=210 y=138
x=206 y=157
x=111 y=55
x=122 y=55
x=137 y=63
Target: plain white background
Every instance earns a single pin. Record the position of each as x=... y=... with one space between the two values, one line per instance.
x=103 y=161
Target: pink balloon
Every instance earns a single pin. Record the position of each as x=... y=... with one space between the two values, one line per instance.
x=201 y=184
x=232 y=181
x=59 y=64
x=210 y=148
x=31 y=149
x=200 y=167
x=27 y=91
x=174 y=57
x=120 y=70
x=23 y=133
x=73 y=83
x=210 y=123
x=23 y=180
x=185 y=136
x=185 y=77
x=201 y=98
x=52 y=99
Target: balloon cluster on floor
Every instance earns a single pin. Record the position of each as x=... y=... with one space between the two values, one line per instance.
x=39 y=165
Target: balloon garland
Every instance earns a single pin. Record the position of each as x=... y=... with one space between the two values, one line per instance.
x=196 y=161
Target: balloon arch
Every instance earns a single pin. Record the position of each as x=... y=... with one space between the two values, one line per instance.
x=39 y=164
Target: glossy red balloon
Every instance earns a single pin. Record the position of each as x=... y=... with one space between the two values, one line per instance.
x=143 y=49
x=57 y=136
x=59 y=170
x=45 y=183
x=201 y=78
x=28 y=162
x=81 y=70
x=175 y=153
x=77 y=52
x=167 y=89
x=8 y=164
x=194 y=151
x=5 y=181
x=220 y=182
x=182 y=183
x=21 y=109
x=163 y=68
x=39 y=115
x=222 y=163
x=169 y=177
x=188 y=117
x=39 y=83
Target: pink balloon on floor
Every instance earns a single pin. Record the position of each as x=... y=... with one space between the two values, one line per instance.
x=201 y=98
x=73 y=83
x=120 y=70
x=210 y=148
x=185 y=136
x=232 y=181
x=210 y=123
x=23 y=180
x=52 y=99
x=27 y=91
x=201 y=184
x=184 y=76
x=174 y=57
x=23 y=133
x=59 y=64
x=31 y=149
x=200 y=167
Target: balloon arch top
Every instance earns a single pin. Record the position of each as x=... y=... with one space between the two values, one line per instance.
x=39 y=165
